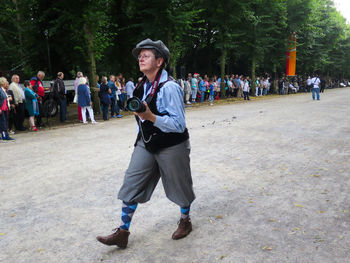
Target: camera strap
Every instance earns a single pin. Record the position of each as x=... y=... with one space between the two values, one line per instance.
x=155 y=83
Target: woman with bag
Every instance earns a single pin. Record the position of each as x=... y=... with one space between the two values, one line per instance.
x=84 y=100
x=31 y=104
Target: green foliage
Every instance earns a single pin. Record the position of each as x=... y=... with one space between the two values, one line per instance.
x=205 y=36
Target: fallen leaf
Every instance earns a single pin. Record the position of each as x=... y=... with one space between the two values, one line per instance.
x=219 y=217
x=346 y=211
x=296 y=229
x=237 y=158
x=276 y=229
x=299 y=205
x=211 y=221
x=304 y=233
x=1 y=234
x=13 y=215
x=321 y=212
x=267 y=248
x=284 y=168
x=40 y=250
x=315 y=175
x=341 y=237
x=292 y=233
x=272 y=220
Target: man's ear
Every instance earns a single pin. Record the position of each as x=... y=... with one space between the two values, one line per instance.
x=160 y=61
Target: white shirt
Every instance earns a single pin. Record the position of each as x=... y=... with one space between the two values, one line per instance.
x=308 y=82
x=315 y=81
x=246 y=86
x=129 y=88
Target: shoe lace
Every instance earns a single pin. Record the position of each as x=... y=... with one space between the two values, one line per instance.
x=115 y=229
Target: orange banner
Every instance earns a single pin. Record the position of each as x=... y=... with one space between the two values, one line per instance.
x=291 y=55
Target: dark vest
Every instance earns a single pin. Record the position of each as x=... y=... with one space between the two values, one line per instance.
x=153 y=137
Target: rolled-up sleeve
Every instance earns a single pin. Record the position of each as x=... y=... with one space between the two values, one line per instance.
x=170 y=102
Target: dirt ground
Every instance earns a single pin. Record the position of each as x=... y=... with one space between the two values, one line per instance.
x=271 y=176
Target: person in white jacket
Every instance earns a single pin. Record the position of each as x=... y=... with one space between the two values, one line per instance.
x=246 y=89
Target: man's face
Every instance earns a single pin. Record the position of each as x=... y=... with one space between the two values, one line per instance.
x=41 y=76
x=148 y=62
x=16 y=79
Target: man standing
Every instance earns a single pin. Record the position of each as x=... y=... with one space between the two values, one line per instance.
x=194 y=86
x=76 y=84
x=60 y=93
x=18 y=94
x=187 y=88
x=308 y=84
x=315 y=81
x=162 y=146
x=38 y=88
x=113 y=87
x=202 y=88
x=129 y=88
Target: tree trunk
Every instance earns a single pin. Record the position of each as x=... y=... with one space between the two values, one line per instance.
x=253 y=74
x=274 y=86
x=222 y=67
x=172 y=63
x=19 y=28
x=92 y=68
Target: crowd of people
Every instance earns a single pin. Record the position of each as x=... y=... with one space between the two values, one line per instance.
x=114 y=92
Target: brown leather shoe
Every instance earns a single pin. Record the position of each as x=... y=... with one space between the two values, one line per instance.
x=119 y=238
x=184 y=228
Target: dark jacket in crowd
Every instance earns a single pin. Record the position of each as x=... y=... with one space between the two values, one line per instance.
x=104 y=94
x=59 y=89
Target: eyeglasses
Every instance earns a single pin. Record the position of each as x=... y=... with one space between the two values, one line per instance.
x=144 y=57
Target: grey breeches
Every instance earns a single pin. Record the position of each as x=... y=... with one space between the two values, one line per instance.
x=172 y=164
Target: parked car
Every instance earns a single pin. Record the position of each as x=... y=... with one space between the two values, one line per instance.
x=50 y=103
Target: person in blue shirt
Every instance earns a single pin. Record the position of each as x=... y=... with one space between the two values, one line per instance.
x=162 y=146
x=202 y=88
x=113 y=95
x=211 y=91
x=194 y=86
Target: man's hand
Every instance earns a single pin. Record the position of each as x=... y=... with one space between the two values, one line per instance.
x=146 y=115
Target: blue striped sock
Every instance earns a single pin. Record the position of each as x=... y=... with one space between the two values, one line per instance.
x=185 y=212
x=128 y=211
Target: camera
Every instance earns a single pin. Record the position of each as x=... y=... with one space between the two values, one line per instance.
x=135 y=104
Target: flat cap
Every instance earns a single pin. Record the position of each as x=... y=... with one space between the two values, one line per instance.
x=150 y=44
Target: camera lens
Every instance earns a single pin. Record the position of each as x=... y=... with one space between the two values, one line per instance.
x=135 y=104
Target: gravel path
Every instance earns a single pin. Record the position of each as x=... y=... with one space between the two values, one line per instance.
x=272 y=180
